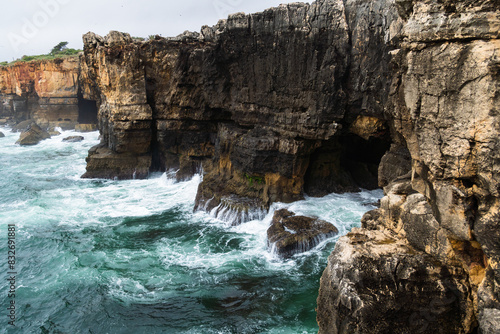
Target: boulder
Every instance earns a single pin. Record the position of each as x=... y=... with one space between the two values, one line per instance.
x=23 y=126
x=73 y=139
x=290 y=234
x=1 y=134
x=32 y=136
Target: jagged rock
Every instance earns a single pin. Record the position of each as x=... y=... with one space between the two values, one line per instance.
x=395 y=163
x=32 y=136
x=221 y=104
x=376 y=283
x=290 y=234
x=73 y=139
x=43 y=90
x=115 y=38
x=23 y=126
x=367 y=127
x=106 y=164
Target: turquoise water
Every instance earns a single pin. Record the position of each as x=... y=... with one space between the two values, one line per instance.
x=104 y=256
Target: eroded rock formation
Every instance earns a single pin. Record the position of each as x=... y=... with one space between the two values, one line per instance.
x=32 y=135
x=435 y=239
x=45 y=91
x=262 y=103
x=290 y=234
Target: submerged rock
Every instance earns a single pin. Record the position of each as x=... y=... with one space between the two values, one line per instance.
x=32 y=136
x=73 y=139
x=1 y=134
x=292 y=234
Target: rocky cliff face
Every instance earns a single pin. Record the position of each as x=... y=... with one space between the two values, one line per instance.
x=45 y=91
x=427 y=260
x=327 y=97
x=263 y=103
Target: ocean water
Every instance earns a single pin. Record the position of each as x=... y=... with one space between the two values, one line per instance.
x=105 y=256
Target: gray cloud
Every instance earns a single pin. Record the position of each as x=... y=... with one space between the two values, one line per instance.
x=34 y=26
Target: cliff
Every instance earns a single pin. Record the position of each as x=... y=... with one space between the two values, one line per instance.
x=325 y=97
x=427 y=260
x=263 y=103
x=46 y=91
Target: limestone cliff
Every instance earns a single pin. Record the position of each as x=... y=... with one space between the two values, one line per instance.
x=263 y=103
x=427 y=261
x=45 y=91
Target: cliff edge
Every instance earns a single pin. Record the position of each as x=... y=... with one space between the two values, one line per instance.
x=427 y=260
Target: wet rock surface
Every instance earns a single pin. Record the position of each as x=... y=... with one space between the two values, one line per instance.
x=314 y=98
x=32 y=135
x=73 y=139
x=290 y=234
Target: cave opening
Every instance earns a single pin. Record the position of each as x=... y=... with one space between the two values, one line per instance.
x=87 y=110
x=345 y=163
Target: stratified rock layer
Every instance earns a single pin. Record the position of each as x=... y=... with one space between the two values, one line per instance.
x=45 y=91
x=260 y=103
x=331 y=96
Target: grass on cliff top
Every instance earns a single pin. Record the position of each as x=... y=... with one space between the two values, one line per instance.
x=58 y=54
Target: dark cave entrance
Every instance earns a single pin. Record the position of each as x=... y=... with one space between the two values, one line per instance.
x=345 y=164
x=87 y=110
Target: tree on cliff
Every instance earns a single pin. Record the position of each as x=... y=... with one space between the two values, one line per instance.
x=59 y=47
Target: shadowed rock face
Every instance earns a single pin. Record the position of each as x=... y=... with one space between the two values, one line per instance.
x=331 y=96
x=290 y=234
x=260 y=102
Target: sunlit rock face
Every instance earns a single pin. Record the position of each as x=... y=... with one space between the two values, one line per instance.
x=45 y=91
x=439 y=218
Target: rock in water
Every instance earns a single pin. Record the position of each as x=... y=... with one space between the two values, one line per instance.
x=292 y=234
x=73 y=139
x=32 y=136
x=23 y=126
x=2 y=135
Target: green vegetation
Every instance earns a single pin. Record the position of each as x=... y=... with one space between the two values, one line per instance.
x=254 y=179
x=59 y=48
x=58 y=51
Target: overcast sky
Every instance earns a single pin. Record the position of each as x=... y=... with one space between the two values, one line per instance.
x=30 y=27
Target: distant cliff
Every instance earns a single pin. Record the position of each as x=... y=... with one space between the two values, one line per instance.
x=46 y=91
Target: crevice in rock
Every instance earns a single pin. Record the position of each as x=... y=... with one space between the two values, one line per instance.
x=156 y=165
x=87 y=110
x=345 y=164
